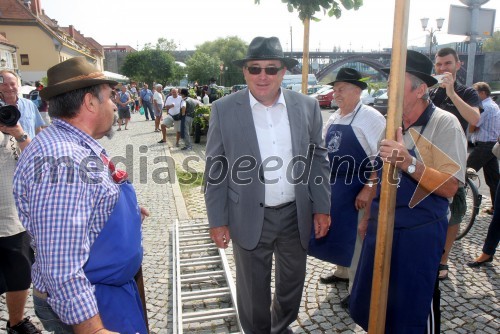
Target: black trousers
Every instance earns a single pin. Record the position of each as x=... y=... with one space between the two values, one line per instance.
x=482 y=157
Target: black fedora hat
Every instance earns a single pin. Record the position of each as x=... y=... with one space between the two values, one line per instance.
x=72 y=74
x=351 y=76
x=419 y=65
x=266 y=48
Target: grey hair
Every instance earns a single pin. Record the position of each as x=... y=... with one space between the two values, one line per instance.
x=416 y=82
x=67 y=105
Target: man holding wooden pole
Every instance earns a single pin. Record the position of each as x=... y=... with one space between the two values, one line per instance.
x=429 y=151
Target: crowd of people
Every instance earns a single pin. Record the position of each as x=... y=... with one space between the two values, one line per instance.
x=297 y=187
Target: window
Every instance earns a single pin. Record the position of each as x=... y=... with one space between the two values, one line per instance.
x=25 y=60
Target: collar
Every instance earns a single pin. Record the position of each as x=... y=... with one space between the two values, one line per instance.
x=424 y=118
x=84 y=138
x=280 y=100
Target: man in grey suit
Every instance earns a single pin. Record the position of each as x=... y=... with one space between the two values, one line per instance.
x=266 y=186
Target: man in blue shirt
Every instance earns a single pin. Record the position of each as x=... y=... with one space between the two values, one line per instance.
x=146 y=102
x=484 y=136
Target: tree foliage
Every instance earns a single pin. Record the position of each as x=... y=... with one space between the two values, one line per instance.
x=202 y=66
x=163 y=44
x=226 y=50
x=307 y=8
x=149 y=66
x=493 y=43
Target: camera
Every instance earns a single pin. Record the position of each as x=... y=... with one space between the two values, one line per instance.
x=9 y=115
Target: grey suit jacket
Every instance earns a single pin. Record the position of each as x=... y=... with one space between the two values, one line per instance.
x=237 y=199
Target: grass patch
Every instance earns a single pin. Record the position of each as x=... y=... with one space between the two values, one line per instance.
x=189 y=180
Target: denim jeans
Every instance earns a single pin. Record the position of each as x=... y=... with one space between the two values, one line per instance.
x=49 y=319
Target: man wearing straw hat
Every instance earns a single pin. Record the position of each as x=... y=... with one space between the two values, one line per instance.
x=276 y=188
x=430 y=153
x=80 y=211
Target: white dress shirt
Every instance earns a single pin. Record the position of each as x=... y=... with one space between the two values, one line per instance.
x=275 y=145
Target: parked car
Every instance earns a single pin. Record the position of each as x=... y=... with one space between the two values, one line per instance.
x=368 y=98
x=323 y=89
x=325 y=98
x=236 y=88
x=380 y=103
x=495 y=96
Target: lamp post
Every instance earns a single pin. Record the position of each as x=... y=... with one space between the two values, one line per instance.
x=431 y=31
x=221 y=67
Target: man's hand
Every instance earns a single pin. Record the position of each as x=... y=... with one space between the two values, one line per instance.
x=363 y=198
x=220 y=235
x=144 y=213
x=448 y=83
x=321 y=225
x=15 y=131
x=395 y=152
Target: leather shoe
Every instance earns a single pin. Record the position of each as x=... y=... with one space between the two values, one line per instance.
x=477 y=264
x=345 y=302
x=333 y=279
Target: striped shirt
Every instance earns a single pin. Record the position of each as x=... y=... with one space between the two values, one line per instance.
x=64 y=196
x=488 y=127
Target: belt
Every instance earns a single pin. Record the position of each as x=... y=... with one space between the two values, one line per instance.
x=41 y=295
x=485 y=142
x=280 y=206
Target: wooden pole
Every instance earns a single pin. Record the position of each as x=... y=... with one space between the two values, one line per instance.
x=305 y=58
x=383 y=248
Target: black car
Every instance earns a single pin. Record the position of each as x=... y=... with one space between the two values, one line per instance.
x=380 y=103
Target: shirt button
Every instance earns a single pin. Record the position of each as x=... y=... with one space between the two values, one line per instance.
x=261 y=205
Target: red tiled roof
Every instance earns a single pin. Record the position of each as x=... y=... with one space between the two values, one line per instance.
x=15 y=9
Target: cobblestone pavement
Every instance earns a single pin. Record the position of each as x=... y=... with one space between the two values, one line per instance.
x=470 y=297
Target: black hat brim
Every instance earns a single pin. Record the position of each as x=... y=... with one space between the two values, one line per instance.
x=428 y=79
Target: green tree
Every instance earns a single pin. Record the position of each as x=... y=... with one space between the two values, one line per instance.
x=307 y=9
x=493 y=43
x=166 y=45
x=202 y=66
x=149 y=66
x=226 y=50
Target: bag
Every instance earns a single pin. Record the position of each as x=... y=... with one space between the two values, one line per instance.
x=496 y=150
x=177 y=117
x=141 y=111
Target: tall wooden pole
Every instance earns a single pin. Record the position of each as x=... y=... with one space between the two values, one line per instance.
x=305 y=58
x=383 y=248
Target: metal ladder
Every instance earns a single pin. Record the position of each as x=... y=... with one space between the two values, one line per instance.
x=204 y=293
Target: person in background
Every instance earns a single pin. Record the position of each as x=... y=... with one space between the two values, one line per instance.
x=146 y=96
x=41 y=104
x=263 y=210
x=123 y=101
x=158 y=105
x=463 y=102
x=134 y=95
x=206 y=99
x=430 y=152
x=351 y=135
x=484 y=136
x=15 y=252
x=189 y=106
x=87 y=253
x=173 y=105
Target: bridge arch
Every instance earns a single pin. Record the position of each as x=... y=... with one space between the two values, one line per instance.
x=375 y=64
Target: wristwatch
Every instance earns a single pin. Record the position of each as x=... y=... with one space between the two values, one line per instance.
x=370 y=184
x=22 y=138
x=411 y=168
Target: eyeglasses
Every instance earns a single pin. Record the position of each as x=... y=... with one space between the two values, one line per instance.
x=254 y=70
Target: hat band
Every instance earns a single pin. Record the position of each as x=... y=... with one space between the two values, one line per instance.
x=93 y=75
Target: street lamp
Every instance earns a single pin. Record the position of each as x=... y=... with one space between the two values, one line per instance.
x=221 y=67
x=431 y=31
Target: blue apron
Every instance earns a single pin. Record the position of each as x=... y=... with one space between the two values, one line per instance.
x=418 y=243
x=349 y=167
x=115 y=257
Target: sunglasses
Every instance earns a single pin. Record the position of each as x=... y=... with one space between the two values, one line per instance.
x=254 y=70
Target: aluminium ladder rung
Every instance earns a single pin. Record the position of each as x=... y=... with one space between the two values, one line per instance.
x=212 y=314
x=205 y=294
x=202 y=274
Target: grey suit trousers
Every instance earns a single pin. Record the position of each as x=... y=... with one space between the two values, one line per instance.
x=280 y=237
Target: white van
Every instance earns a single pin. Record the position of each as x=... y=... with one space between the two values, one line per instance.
x=296 y=79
